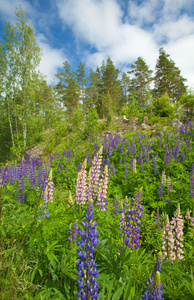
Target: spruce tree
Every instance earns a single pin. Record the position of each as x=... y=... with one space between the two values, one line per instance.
x=168 y=79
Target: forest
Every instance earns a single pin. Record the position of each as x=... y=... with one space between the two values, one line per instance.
x=105 y=210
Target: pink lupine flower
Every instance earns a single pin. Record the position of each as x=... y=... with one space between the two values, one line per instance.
x=163 y=181
x=177 y=224
x=101 y=200
x=168 y=240
x=188 y=216
x=95 y=172
x=81 y=185
x=134 y=165
x=50 y=187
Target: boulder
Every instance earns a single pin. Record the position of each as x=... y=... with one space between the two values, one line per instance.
x=125 y=120
x=145 y=120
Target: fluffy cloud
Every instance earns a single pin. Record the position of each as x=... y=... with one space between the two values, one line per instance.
x=147 y=27
x=52 y=59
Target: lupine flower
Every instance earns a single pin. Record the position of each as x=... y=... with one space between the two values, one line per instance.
x=188 y=216
x=44 y=212
x=158 y=219
x=86 y=265
x=101 y=199
x=168 y=240
x=50 y=187
x=163 y=181
x=169 y=186
x=81 y=185
x=160 y=191
x=154 y=290
x=134 y=165
x=116 y=207
x=73 y=232
x=95 y=172
x=191 y=177
x=177 y=226
x=133 y=217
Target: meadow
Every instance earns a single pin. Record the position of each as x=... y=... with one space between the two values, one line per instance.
x=113 y=221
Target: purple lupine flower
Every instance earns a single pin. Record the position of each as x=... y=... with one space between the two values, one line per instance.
x=44 y=212
x=133 y=217
x=86 y=266
x=191 y=182
x=81 y=185
x=158 y=222
x=133 y=149
x=73 y=231
x=160 y=191
x=113 y=169
x=116 y=207
x=183 y=155
x=154 y=290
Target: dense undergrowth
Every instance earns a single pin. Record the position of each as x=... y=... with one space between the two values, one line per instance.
x=38 y=259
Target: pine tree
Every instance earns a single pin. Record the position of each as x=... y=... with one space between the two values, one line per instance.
x=140 y=84
x=80 y=76
x=68 y=88
x=168 y=79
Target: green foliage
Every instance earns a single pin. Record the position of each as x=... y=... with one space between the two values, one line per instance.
x=163 y=108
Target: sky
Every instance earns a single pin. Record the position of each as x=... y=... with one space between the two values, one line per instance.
x=93 y=30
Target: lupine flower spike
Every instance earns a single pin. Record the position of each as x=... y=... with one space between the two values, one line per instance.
x=177 y=225
x=168 y=240
x=86 y=266
x=154 y=290
x=81 y=185
x=101 y=200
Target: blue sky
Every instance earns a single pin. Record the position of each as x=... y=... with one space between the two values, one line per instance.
x=93 y=30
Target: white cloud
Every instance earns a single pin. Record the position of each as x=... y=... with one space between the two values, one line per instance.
x=149 y=26
x=52 y=59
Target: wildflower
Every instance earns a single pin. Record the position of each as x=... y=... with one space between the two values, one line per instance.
x=86 y=265
x=154 y=290
x=158 y=219
x=168 y=240
x=133 y=217
x=73 y=232
x=134 y=165
x=50 y=187
x=177 y=226
x=101 y=200
x=191 y=177
x=188 y=216
x=163 y=181
x=81 y=185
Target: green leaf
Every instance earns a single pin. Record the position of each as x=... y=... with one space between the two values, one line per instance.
x=117 y=294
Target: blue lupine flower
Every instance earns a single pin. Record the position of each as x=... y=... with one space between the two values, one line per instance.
x=86 y=266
